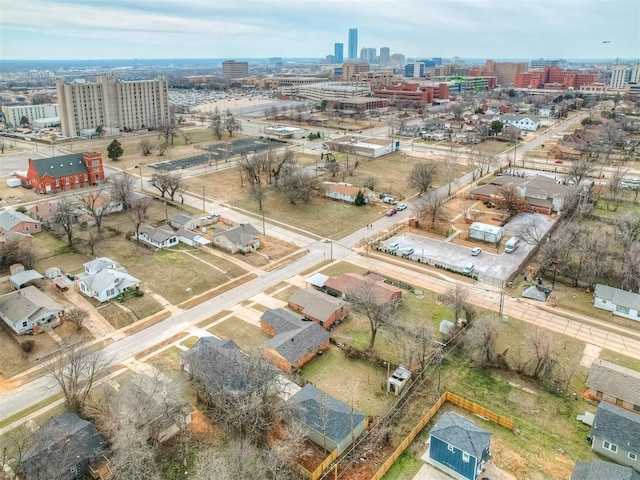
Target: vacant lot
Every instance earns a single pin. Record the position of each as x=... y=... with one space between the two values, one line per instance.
x=248 y=337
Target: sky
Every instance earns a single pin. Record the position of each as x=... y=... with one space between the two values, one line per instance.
x=122 y=29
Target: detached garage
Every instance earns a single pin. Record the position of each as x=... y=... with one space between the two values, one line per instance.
x=485 y=232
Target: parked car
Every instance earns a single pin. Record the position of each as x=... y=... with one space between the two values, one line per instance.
x=407 y=251
x=468 y=268
x=476 y=251
x=402 y=206
x=391 y=211
x=392 y=247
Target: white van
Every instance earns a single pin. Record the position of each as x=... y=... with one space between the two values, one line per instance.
x=511 y=245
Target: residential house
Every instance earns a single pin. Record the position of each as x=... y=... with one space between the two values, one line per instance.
x=182 y=220
x=13 y=221
x=615 y=384
x=615 y=434
x=108 y=283
x=328 y=422
x=523 y=122
x=243 y=238
x=601 y=470
x=158 y=237
x=65 y=172
x=222 y=369
x=348 y=284
x=295 y=342
x=44 y=212
x=103 y=204
x=192 y=239
x=543 y=194
x=547 y=111
x=25 y=239
x=29 y=310
x=619 y=302
x=319 y=307
x=346 y=192
x=155 y=405
x=458 y=446
x=100 y=263
x=63 y=448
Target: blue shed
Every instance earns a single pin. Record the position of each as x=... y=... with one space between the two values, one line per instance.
x=458 y=446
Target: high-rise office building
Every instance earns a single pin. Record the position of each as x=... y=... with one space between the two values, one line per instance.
x=232 y=69
x=338 y=52
x=385 y=56
x=414 y=70
x=112 y=103
x=368 y=55
x=353 y=43
x=619 y=77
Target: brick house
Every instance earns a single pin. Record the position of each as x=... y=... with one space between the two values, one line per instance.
x=615 y=384
x=64 y=172
x=352 y=284
x=295 y=342
x=319 y=307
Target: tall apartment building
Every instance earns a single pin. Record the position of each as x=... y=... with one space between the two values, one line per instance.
x=541 y=63
x=505 y=71
x=353 y=43
x=414 y=70
x=232 y=69
x=350 y=70
x=385 y=56
x=397 y=60
x=338 y=52
x=14 y=114
x=112 y=103
x=622 y=76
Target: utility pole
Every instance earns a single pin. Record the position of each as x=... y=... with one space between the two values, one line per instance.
x=140 y=172
x=203 y=206
x=501 y=298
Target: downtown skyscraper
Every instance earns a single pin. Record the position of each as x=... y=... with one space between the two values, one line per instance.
x=353 y=43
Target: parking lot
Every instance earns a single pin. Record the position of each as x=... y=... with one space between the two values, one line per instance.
x=218 y=152
x=489 y=266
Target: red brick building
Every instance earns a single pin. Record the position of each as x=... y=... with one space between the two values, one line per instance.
x=65 y=172
x=413 y=92
x=553 y=77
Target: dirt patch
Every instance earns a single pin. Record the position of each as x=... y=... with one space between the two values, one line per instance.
x=273 y=248
x=12 y=358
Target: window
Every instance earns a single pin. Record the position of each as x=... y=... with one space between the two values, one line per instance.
x=111 y=292
x=465 y=457
x=24 y=324
x=618 y=402
x=451 y=448
x=609 y=446
x=632 y=456
x=599 y=394
x=636 y=408
x=621 y=309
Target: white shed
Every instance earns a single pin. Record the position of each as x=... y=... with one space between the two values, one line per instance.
x=485 y=232
x=53 y=272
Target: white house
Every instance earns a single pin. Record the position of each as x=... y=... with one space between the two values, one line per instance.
x=108 y=283
x=345 y=191
x=192 y=239
x=547 y=111
x=619 y=302
x=523 y=122
x=159 y=237
x=28 y=310
x=94 y=266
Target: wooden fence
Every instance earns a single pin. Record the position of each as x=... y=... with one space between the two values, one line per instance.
x=446 y=397
x=320 y=469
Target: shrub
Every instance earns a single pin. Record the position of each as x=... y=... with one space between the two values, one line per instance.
x=27 y=346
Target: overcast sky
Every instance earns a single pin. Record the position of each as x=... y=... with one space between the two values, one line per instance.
x=86 y=29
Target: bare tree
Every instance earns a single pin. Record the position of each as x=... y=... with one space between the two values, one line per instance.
x=76 y=316
x=121 y=187
x=65 y=217
x=433 y=209
x=579 y=171
x=145 y=147
x=542 y=346
x=138 y=214
x=278 y=164
x=162 y=147
x=481 y=341
x=630 y=271
x=75 y=369
x=169 y=183
x=232 y=125
x=457 y=109
x=15 y=251
x=216 y=126
x=297 y=184
x=482 y=161
x=168 y=131
x=456 y=298
x=13 y=445
x=188 y=137
x=422 y=176
x=241 y=459
x=509 y=200
x=380 y=313
x=133 y=458
x=628 y=226
x=94 y=204
x=531 y=231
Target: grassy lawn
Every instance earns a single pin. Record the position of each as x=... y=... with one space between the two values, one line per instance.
x=115 y=316
x=28 y=411
x=622 y=360
x=142 y=307
x=286 y=293
x=189 y=342
x=342 y=267
x=248 y=337
x=210 y=320
x=167 y=361
x=357 y=381
x=407 y=464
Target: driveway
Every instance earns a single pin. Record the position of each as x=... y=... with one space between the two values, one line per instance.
x=488 y=265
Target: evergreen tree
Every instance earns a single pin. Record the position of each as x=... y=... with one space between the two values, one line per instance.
x=360 y=200
x=114 y=150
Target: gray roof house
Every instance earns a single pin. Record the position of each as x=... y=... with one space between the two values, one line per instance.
x=619 y=302
x=182 y=220
x=108 y=283
x=615 y=434
x=319 y=307
x=295 y=342
x=329 y=422
x=458 y=446
x=14 y=221
x=158 y=237
x=601 y=470
x=29 y=310
x=63 y=448
x=97 y=264
x=615 y=384
x=220 y=366
x=242 y=238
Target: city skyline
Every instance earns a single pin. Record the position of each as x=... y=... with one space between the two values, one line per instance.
x=76 y=29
